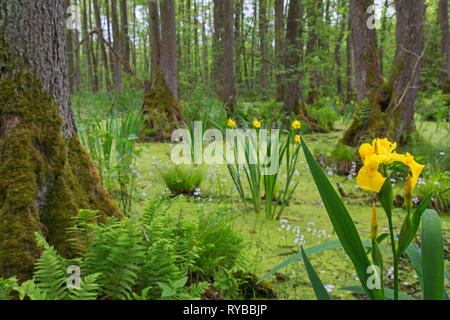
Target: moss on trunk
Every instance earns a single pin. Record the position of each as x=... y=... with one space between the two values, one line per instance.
x=162 y=113
x=45 y=179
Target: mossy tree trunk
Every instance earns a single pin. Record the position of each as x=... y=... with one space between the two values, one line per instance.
x=386 y=108
x=161 y=109
x=46 y=175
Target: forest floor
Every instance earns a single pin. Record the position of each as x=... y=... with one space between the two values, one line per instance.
x=270 y=242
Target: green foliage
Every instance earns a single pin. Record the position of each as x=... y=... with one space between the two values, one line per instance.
x=325 y=114
x=434 y=107
x=183 y=179
x=112 y=145
x=152 y=256
x=343 y=153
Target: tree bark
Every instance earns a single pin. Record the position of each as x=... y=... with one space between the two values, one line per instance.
x=279 y=47
x=217 y=47
x=169 y=45
x=292 y=91
x=117 y=74
x=388 y=107
x=98 y=22
x=161 y=109
x=155 y=37
x=229 y=94
x=445 y=46
x=47 y=176
x=125 y=36
x=263 y=44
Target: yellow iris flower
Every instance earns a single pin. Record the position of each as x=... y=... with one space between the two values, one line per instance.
x=257 y=124
x=296 y=125
x=231 y=123
x=298 y=139
x=378 y=153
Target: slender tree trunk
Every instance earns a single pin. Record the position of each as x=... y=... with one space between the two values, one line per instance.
x=445 y=45
x=350 y=62
x=229 y=94
x=337 y=52
x=217 y=67
x=46 y=175
x=98 y=22
x=279 y=46
x=205 y=45
x=187 y=31
x=86 y=47
x=117 y=46
x=124 y=33
x=239 y=6
x=263 y=44
x=133 y=43
x=70 y=56
x=196 y=41
x=93 y=53
x=155 y=37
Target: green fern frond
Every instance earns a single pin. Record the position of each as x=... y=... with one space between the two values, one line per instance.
x=88 y=288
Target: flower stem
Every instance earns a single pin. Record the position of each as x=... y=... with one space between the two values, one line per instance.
x=394 y=255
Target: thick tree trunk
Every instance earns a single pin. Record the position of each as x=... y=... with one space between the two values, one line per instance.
x=229 y=94
x=46 y=175
x=388 y=107
x=292 y=90
x=161 y=109
x=445 y=45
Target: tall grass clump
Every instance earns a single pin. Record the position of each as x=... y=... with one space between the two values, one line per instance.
x=112 y=145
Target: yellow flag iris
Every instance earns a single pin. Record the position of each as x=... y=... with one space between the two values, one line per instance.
x=380 y=152
x=298 y=139
x=231 y=123
x=296 y=125
x=257 y=124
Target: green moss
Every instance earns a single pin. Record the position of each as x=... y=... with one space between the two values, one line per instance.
x=45 y=179
x=161 y=111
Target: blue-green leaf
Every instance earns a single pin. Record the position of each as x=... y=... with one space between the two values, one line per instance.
x=319 y=289
x=432 y=256
x=342 y=222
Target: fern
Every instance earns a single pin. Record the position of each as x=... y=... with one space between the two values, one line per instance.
x=364 y=111
x=6 y=287
x=116 y=254
x=50 y=276
x=88 y=288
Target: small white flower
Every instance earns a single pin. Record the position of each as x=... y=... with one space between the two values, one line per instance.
x=329 y=287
